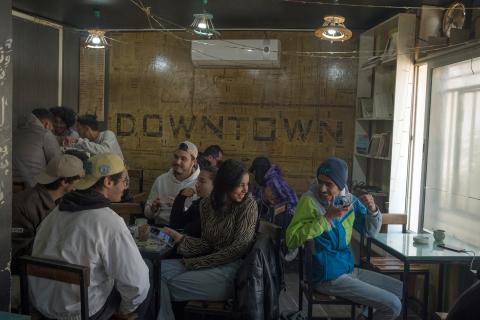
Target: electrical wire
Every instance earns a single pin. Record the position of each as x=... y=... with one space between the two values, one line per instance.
x=367 y=5
x=473 y=258
x=337 y=55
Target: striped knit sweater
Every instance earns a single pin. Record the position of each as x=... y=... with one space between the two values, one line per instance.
x=225 y=237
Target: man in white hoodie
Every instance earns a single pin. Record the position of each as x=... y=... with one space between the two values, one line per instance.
x=183 y=174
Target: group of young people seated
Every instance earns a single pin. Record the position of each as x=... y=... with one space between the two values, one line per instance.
x=207 y=206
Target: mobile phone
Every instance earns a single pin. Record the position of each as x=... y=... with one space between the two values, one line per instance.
x=450 y=247
x=159 y=234
x=342 y=201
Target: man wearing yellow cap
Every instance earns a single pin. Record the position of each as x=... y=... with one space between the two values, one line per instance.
x=83 y=230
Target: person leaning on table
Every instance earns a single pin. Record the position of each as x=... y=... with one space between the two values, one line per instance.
x=331 y=229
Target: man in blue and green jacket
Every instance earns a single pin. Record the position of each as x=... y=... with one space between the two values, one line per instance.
x=331 y=229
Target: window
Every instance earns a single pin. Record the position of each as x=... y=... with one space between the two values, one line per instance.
x=452 y=170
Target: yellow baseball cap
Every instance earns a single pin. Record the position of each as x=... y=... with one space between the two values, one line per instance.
x=98 y=166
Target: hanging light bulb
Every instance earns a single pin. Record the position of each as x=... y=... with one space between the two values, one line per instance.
x=333 y=29
x=96 y=39
x=202 y=24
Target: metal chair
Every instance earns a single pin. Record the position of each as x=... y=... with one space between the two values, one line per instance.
x=306 y=286
x=57 y=271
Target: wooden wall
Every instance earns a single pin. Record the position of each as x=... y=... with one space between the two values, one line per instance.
x=6 y=48
x=298 y=115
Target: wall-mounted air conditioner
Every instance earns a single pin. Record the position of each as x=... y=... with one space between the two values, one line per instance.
x=264 y=53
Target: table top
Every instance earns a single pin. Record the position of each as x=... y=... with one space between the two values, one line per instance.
x=13 y=316
x=403 y=247
x=153 y=249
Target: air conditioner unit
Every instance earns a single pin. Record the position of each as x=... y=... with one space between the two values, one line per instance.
x=263 y=53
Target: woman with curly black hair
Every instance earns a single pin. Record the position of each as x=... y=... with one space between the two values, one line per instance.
x=64 y=121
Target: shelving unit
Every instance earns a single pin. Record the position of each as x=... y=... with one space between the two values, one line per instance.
x=384 y=104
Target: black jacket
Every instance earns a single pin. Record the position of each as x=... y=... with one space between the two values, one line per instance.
x=467 y=306
x=258 y=282
x=188 y=220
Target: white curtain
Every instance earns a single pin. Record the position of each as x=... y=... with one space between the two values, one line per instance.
x=452 y=190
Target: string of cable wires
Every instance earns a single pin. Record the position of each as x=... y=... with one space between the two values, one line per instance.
x=165 y=25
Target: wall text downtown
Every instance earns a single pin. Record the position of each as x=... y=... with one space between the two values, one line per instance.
x=263 y=128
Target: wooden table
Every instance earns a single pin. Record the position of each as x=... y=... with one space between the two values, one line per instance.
x=155 y=255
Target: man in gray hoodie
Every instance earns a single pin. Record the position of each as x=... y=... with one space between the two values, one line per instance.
x=34 y=145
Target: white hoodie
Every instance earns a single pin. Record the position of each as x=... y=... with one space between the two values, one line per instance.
x=166 y=186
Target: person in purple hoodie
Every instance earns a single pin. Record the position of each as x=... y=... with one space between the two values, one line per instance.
x=271 y=190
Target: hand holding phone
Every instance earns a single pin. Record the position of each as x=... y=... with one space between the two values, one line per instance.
x=174 y=234
x=342 y=201
x=161 y=235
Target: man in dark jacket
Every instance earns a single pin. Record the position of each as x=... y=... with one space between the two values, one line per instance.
x=31 y=206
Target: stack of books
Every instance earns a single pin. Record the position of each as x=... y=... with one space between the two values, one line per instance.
x=380 y=145
x=362 y=143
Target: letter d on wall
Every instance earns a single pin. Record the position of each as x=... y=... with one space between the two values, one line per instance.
x=125 y=124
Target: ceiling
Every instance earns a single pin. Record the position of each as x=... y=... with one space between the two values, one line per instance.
x=228 y=14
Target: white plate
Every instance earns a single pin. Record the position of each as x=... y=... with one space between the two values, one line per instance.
x=420 y=240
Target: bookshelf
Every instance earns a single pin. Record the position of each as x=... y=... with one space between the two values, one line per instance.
x=383 y=110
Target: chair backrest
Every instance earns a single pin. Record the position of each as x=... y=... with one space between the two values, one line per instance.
x=136 y=180
x=394 y=218
x=387 y=219
x=274 y=231
x=280 y=208
x=126 y=210
x=54 y=270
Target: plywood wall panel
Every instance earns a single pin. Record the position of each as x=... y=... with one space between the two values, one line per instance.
x=298 y=114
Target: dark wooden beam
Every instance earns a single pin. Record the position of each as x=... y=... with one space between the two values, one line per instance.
x=6 y=81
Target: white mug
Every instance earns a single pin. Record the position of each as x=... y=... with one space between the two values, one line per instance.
x=140 y=221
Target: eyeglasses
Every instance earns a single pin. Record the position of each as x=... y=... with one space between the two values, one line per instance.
x=126 y=181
